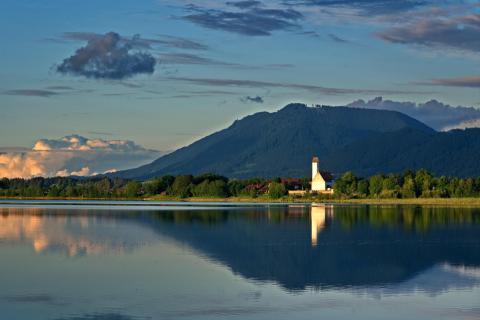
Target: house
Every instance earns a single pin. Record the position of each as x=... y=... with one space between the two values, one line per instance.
x=322 y=182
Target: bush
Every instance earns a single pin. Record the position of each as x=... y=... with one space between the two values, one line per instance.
x=181 y=186
x=276 y=190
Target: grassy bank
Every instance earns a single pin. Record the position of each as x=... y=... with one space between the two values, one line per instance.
x=471 y=202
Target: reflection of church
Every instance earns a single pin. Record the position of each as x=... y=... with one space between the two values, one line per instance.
x=319 y=215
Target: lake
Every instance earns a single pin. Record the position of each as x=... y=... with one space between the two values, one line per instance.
x=136 y=260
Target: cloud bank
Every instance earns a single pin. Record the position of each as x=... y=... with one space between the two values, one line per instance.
x=31 y=93
x=145 y=43
x=441 y=30
x=108 y=57
x=465 y=82
x=248 y=18
x=73 y=155
x=267 y=84
x=437 y=115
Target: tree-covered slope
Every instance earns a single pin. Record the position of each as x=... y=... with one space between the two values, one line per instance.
x=455 y=153
x=282 y=143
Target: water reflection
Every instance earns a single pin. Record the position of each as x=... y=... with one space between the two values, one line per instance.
x=318 y=217
x=74 y=233
x=297 y=247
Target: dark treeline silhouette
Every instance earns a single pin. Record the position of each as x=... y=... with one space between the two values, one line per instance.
x=411 y=184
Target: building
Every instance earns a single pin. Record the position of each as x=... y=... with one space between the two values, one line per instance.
x=322 y=182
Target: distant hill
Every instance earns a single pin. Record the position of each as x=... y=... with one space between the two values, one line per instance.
x=282 y=143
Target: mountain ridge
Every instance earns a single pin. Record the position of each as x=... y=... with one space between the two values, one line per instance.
x=281 y=143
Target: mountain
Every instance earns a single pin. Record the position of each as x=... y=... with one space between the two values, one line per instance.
x=282 y=143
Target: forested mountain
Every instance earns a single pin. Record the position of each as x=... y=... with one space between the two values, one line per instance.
x=282 y=143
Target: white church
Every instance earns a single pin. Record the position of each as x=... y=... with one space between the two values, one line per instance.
x=322 y=182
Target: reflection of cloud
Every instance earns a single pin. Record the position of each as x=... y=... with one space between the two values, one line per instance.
x=434 y=281
x=73 y=155
x=72 y=235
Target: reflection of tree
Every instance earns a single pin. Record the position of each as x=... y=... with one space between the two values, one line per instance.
x=355 y=246
x=194 y=216
x=406 y=217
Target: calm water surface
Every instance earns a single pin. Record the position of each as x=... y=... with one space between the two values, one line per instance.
x=219 y=261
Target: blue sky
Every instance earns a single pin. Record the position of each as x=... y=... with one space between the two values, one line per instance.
x=198 y=65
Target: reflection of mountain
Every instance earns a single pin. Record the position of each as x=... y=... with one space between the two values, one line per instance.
x=354 y=247
x=74 y=235
x=297 y=247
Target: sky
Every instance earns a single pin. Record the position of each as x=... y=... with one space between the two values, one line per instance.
x=163 y=73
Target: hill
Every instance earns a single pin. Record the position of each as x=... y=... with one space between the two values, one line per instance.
x=282 y=143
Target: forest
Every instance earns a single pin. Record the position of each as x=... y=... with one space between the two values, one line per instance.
x=407 y=185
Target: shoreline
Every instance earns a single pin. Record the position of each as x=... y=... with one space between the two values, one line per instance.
x=471 y=202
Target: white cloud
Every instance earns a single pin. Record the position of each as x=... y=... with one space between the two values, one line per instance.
x=437 y=115
x=475 y=123
x=73 y=155
x=85 y=171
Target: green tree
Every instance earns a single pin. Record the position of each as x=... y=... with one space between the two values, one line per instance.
x=408 y=189
x=362 y=187
x=346 y=185
x=133 y=189
x=276 y=190
x=181 y=186
x=375 y=185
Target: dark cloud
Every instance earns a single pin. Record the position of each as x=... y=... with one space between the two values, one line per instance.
x=29 y=298
x=135 y=41
x=187 y=58
x=256 y=99
x=101 y=316
x=61 y=88
x=312 y=34
x=466 y=82
x=251 y=21
x=337 y=38
x=31 y=93
x=108 y=57
x=266 y=84
x=181 y=43
x=460 y=33
x=433 y=113
x=245 y=4
x=368 y=7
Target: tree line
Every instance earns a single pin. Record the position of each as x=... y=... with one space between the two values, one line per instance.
x=182 y=186
x=410 y=184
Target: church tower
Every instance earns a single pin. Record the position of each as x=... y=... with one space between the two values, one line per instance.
x=314 y=167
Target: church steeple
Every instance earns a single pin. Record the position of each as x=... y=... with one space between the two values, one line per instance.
x=314 y=167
